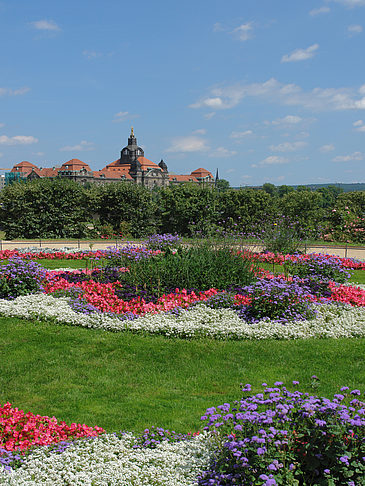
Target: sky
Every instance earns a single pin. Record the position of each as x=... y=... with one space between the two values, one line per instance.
x=262 y=90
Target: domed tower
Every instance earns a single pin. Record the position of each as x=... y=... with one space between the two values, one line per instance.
x=131 y=152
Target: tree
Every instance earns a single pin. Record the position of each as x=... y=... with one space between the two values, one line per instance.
x=44 y=208
x=270 y=189
x=222 y=185
x=187 y=209
x=126 y=204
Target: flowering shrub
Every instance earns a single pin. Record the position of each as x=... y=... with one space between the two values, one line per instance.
x=20 y=431
x=163 y=242
x=279 y=300
x=20 y=277
x=318 y=267
x=284 y=437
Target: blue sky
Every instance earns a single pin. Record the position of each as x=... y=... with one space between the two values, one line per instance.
x=263 y=90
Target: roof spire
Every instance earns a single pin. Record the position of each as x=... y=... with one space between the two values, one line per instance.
x=132 y=132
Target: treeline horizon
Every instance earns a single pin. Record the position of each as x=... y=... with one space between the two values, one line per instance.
x=60 y=208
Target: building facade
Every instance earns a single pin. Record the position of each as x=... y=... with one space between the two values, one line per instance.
x=132 y=166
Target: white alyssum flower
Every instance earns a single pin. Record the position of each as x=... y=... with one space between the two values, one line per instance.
x=332 y=321
x=110 y=460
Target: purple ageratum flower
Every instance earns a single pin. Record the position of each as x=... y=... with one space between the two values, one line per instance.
x=344 y=459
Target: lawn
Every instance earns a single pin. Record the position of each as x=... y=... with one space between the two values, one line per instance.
x=121 y=381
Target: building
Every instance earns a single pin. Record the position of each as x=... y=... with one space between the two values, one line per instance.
x=132 y=166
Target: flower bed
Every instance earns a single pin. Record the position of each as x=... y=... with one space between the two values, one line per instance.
x=275 y=437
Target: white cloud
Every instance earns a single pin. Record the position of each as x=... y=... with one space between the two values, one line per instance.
x=218 y=27
x=349 y=158
x=17 y=140
x=327 y=148
x=48 y=25
x=288 y=146
x=2 y=125
x=300 y=54
x=190 y=143
x=91 y=54
x=200 y=131
x=319 y=11
x=354 y=29
x=120 y=116
x=240 y=135
x=13 y=92
x=243 y=32
x=208 y=116
x=272 y=160
x=359 y=126
x=83 y=146
x=326 y=99
x=286 y=120
x=222 y=152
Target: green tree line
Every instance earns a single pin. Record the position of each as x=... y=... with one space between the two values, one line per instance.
x=59 y=208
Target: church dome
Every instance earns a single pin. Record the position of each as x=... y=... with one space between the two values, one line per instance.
x=132 y=151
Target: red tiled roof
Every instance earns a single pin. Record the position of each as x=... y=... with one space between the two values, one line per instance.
x=145 y=163
x=48 y=171
x=116 y=163
x=112 y=174
x=75 y=164
x=24 y=167
x=201 y=173
x=182 y=178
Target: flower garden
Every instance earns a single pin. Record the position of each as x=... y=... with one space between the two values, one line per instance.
x=279 y=435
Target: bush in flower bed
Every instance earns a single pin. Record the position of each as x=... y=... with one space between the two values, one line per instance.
x=278 y=300
x=282 y=437
x=318 y=267
x=20 y=277
x=201 y=266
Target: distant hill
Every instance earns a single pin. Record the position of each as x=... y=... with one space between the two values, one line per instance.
x=360 y=186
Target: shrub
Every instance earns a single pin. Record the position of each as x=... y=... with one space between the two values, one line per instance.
x=282 y=437
x=278 y=300
x=201 y=266
x=20 y=277
x=318 y=267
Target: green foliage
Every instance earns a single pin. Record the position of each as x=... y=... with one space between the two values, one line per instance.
x=200 y=266
x=305 y=207
x=44 y=208
x=222 y=185
x=127 y=207
x=346 y=221
x=244 y=209
x=281 y=236
x=187 y=209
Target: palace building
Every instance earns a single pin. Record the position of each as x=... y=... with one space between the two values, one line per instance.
x=132 y=166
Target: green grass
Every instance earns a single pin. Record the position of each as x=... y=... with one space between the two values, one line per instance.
x=122 y=381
